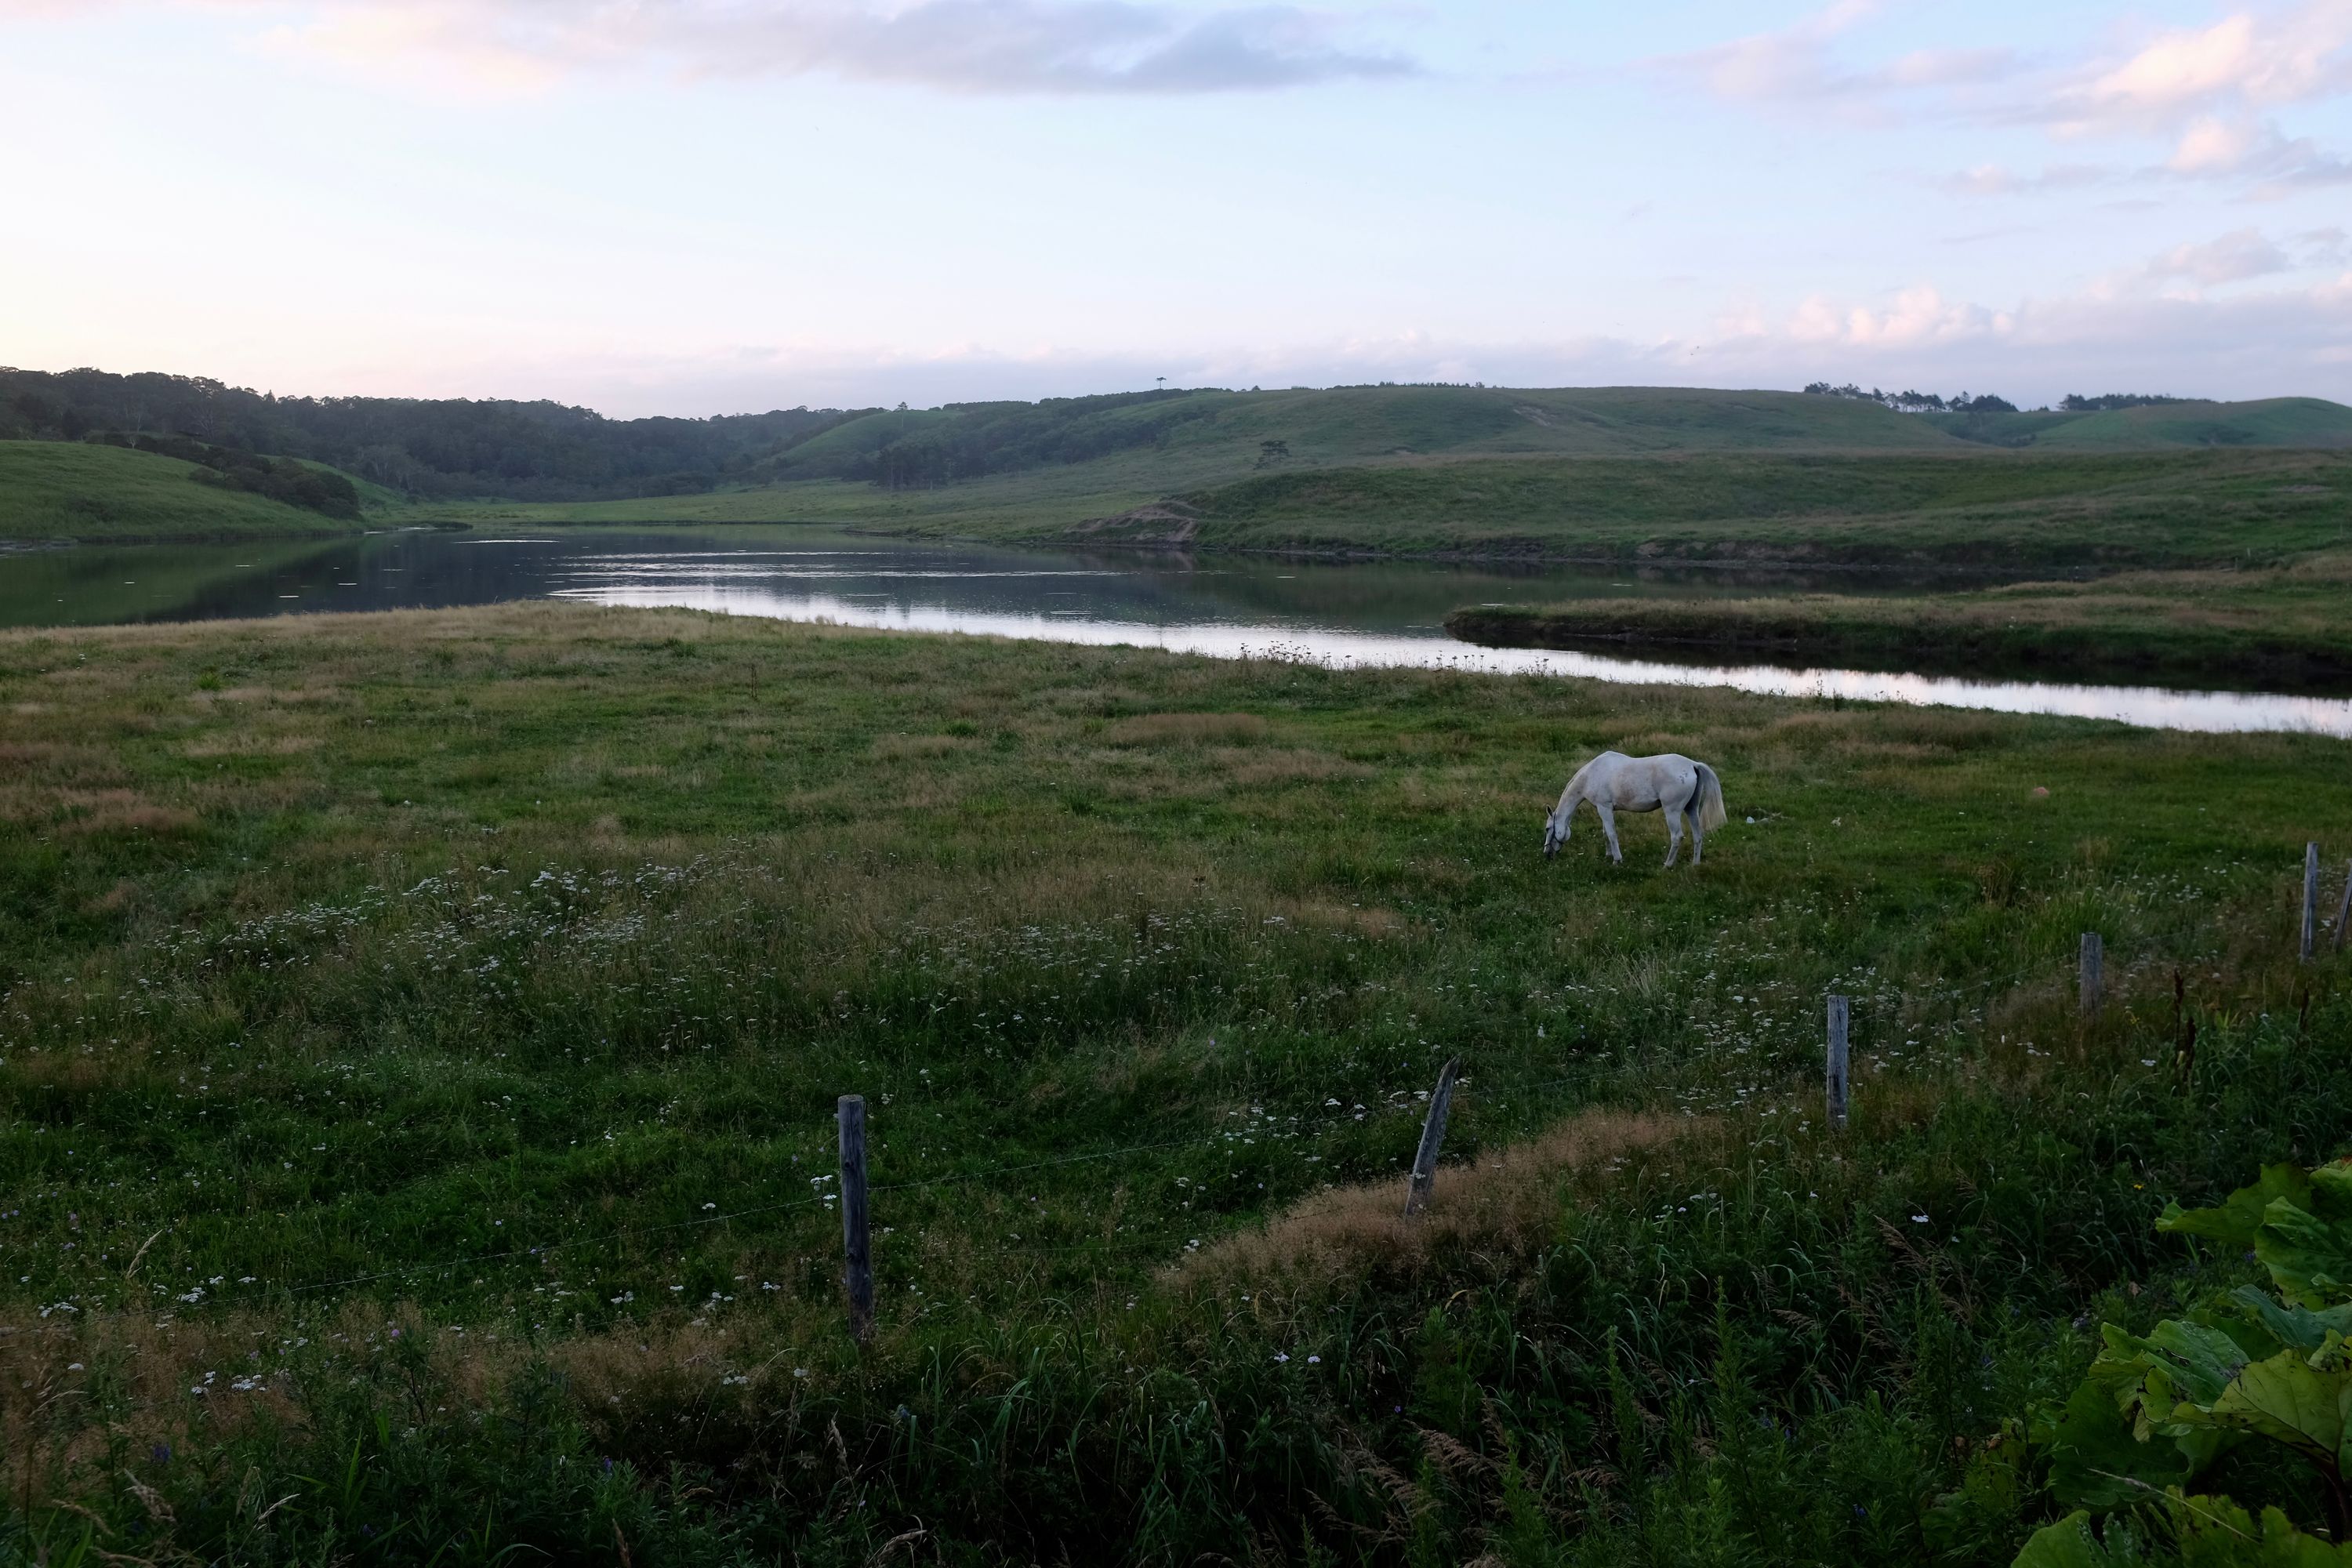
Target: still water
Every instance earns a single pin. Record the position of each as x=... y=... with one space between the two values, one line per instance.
x=1341 y=614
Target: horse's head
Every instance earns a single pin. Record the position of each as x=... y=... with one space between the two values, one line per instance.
x=1555 y=835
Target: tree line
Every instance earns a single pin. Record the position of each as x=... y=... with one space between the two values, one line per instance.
x=2075 y=403
x=1911 y=402
x=438 y=448
x=322 y=490
x=459 y=448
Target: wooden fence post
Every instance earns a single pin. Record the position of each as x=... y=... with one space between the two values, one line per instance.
x=2310 y=898
x=1839 y=1013
x=857 y=1244
x=2091 y=976
x=2344 y=907
x=1432 y=1137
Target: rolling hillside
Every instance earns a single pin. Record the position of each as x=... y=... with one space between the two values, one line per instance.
x=1028 y=470
x=1394 y=468
x=2271 y=422
x=2266 y=422
x=1178 y=429
x=66 y=489
x=1982 y=508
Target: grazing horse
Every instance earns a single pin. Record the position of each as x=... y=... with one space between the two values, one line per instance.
x=1684 y=790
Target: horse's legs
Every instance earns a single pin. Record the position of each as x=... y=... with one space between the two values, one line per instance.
x=1698 y=835
x=1673 y=837
x=1609 y=829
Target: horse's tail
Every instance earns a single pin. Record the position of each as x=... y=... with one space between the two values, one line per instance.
x=1709 y=803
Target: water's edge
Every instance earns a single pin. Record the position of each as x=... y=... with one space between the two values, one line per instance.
x=2091 y=655
x=1228 y=604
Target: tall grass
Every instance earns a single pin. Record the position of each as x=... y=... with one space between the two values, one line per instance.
x=420 y=1035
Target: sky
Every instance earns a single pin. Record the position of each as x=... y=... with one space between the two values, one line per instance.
x=710 y=206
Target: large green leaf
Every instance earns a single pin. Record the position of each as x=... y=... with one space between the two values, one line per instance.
x=2179 y=1363
x=2304 y=1402
x=2298 y=1327
x=2298 y=1223
x=2123 y=1430
x=2240 y=1216
x=2181 y=1533
x=2073 y=1543
x=2309 y=1256
x=2331 y=1190
x=2095 y=1460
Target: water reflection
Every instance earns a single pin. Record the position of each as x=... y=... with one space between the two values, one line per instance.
x=2147 y=706
x=1341 y=614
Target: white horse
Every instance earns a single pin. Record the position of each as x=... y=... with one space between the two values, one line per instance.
x=1687 y=791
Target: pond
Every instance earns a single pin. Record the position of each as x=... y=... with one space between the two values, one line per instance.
x=1342 y=614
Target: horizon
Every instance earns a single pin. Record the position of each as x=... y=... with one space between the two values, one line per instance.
x=853 y=204
x=753 y=413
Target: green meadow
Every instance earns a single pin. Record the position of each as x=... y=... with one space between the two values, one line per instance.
x=71 y=490
x=1960 y=505
x=420 y=1036
x=1956 y=508
x=2262 y=422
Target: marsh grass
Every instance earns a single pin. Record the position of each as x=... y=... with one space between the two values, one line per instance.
x=2269 y=626
x=443 y=1013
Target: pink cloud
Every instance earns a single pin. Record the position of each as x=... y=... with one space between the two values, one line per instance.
x=965 y=46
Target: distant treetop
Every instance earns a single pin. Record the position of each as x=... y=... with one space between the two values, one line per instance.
x=2075 y=403
x=1910 y=402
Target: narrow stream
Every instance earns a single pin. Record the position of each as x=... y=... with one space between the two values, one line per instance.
x=1339 y=614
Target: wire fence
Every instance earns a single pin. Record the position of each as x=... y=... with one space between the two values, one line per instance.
x=988 y=1173
x=1973 y=990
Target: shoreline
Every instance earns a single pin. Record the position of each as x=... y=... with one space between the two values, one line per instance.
x=1905 y=636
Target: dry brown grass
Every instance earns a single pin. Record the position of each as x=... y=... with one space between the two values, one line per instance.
x=1260 y=770
x=1188 y=730
x=916 y=748
x=1509 y=1198
x=120 y=811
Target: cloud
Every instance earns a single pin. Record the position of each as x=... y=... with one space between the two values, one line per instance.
x=1993 y=180
x=2214 y=148
x=1064 y=47
x=2257 y=343
x=2256 y=156
x=2324 y=248
x=2260 y=343
x=1799 y=65
x=2232 y=258
x=2209 y=94
x=2208 y=91
x=1919 y=317
x=2247 y=60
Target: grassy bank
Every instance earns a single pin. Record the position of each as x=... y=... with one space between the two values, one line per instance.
x=419 y=1037
x=70 y=490
x=1972 y=509
x=2280 y=627
x=1968 y=506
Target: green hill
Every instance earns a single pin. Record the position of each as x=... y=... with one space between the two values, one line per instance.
x=1019 y=470
x=69 y=489
x=1981 y=508
x=1179 y=431
x=2271 y=422
x=2266 y=422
